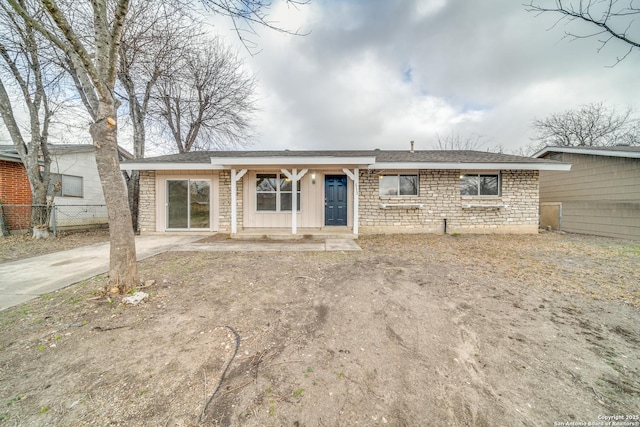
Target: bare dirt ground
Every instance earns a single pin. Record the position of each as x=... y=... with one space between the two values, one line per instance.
x=411 y=331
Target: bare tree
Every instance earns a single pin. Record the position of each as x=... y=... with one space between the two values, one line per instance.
x=153 y=39
x=610 y=19
x=589 y=125
x=92 y=48
x=453 y=141
x=28 y=69
x=93 y=64
x=207 y=100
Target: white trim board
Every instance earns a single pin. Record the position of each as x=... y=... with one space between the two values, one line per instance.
x=169 y=166
x=590 y=151
x=472 y=166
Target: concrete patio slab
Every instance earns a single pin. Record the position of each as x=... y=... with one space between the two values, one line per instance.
x=273 y=246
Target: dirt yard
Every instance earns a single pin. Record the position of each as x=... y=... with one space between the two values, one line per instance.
x=411 y=331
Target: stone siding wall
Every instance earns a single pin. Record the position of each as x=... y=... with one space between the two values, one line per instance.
x=224 y=207
x=147 y=203
x=439 y=195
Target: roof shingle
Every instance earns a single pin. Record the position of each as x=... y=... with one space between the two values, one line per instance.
x=386 y=156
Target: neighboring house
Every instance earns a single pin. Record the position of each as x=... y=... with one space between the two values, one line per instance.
x=350 y=191
x=80 y=201
x=601 y=194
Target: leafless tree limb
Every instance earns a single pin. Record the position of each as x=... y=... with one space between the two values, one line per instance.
x=207 y=100
x=248 y=15
x=589 y=125
x=611 y=18
x=453 y=141
x=27 y=68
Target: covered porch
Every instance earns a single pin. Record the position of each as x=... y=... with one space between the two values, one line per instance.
x=294 y=197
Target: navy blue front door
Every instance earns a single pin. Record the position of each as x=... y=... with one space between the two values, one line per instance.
x=335 y=200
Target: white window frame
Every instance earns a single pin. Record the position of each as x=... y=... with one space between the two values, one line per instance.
x=62 y=179
x=278 y=192
x=398 y=175
x=479 y=175
x=166 y=213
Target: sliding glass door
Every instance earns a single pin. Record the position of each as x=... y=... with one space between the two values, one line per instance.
x=188 y=204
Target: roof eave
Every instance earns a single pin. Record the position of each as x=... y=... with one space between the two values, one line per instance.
x=473 y=166
x=168 y=166
x=10 y=159
x=588 y=151
x=222 y=163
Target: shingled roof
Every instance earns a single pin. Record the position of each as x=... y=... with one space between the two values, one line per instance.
x=380 y=156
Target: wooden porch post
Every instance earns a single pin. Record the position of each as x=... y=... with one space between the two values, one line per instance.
x=355 y=177
x=294 y=177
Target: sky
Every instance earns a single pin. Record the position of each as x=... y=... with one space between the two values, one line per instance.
x=372 y=74
x=380 y=73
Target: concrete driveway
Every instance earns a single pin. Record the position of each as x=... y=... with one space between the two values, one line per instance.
x=29 y=278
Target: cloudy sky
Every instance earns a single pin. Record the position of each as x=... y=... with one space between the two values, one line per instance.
x=379 y=73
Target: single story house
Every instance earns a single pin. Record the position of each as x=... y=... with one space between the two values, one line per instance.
x=372 y=191
x=80 y=202
x=600 y=195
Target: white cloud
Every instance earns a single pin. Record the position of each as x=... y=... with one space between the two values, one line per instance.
x=425 y=8
x=383 y=72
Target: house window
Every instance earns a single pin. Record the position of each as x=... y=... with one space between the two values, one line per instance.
x=398 y=185
x=480 y=185
x=188 y=204
x=274 y=193
x=71 y=185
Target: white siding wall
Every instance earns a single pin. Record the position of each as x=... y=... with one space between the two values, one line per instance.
x=80 y=164
x=78 y=211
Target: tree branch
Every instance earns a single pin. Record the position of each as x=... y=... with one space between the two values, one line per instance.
x=605 y=19
x=251 y=12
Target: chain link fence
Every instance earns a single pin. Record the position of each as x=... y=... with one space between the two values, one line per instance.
x=21 y=218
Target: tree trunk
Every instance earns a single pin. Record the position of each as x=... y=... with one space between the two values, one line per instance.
x=137 y=113
x=123 y=270
x=39 y=208
x=133 y=187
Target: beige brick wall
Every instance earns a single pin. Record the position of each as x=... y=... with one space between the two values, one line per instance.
x=225 y=202
x=439 y=193
x=147 y=209
x=224 y=206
